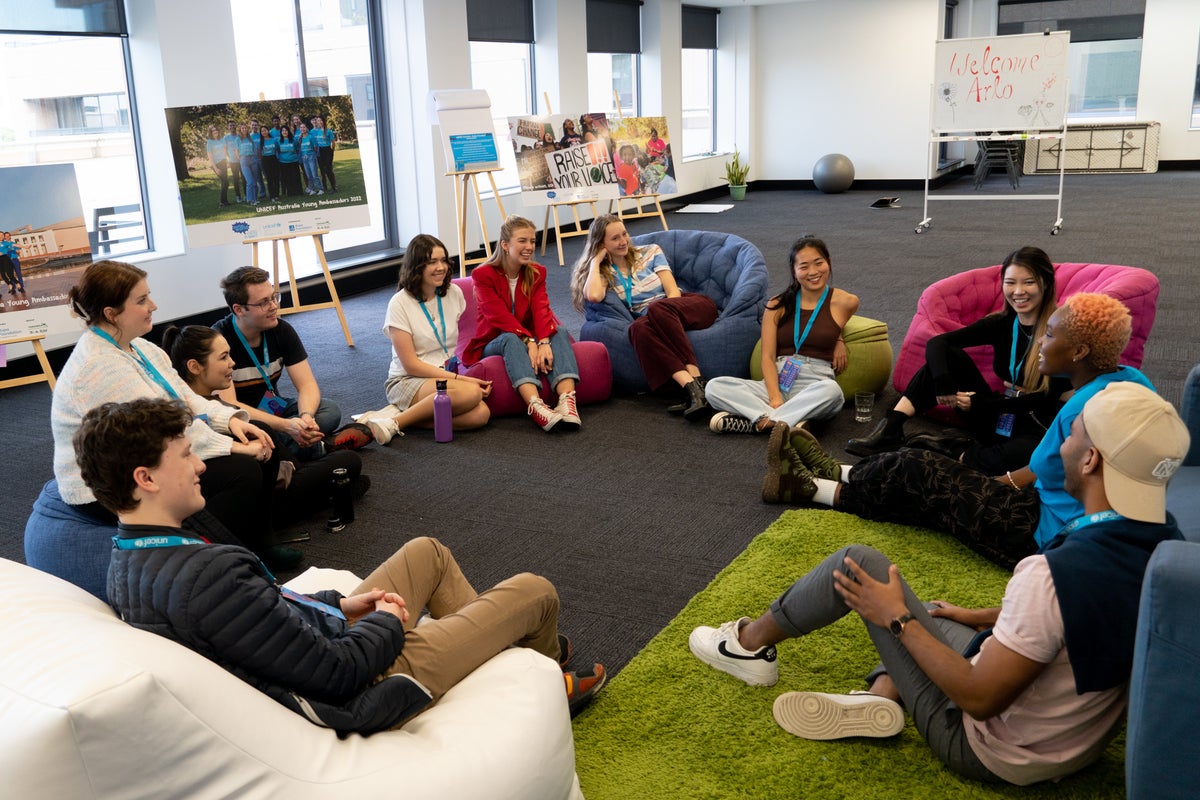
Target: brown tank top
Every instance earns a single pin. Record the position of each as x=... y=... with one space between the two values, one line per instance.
x=821 y=337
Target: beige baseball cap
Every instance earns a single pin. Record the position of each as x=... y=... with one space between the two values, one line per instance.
x=1143 y=442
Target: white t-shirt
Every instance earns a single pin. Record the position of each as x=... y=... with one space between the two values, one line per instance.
x=1049 y=730
x=404 y=313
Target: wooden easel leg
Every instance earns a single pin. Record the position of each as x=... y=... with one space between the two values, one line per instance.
x=546 y=230
x=460 y=211
x=292 y=288
x=40 y=352
x=558 y=235
x=337 y=302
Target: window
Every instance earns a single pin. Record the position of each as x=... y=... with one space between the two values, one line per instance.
x=1196 y=97
x=505 y=71
x=54 y=113
x=613 y=78
x=698 y=87
x=501 y=37
x=321 y=48
x=1106 y=49
x=943 y=150
x=614 y=42
x=698 y=90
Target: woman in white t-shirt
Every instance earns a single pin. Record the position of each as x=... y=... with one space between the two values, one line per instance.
x=422 y=322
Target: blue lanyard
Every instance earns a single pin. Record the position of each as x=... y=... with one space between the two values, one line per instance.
x=798 y=337
x=627 y=281
x=1091 y=519
x=266 y=355
x=441 y=316
x=1013 y=364
x=148 y=542
x=154 y=374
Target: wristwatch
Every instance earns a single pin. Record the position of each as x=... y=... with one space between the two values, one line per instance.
x=897 y=625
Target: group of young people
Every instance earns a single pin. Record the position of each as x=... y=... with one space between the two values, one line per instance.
x=1062 y=478
x=264 y=164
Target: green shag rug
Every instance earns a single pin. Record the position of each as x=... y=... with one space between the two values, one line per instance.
x=669 y=726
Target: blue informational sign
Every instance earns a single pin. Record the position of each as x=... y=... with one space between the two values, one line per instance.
x=474 y=151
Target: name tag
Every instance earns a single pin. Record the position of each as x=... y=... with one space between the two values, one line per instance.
x=788 y=373
x=272 y=403
x=1004 y=424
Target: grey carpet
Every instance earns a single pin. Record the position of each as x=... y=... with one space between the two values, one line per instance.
x=638 y=511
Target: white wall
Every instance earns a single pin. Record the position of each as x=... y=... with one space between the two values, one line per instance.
x=850 y=77
x=1168 y=77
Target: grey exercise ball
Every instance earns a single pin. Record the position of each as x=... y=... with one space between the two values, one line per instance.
x=833 y=173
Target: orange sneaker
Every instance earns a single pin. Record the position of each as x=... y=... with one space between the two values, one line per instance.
x=582 y=686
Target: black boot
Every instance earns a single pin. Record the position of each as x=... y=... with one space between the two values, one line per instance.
x=887 y=435
x=686 y=401
x=697 y=404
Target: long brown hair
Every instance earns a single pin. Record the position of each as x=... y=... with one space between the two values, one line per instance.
x=512 y=224
x=1037 y=262
x=595 y=243
x=416 y=256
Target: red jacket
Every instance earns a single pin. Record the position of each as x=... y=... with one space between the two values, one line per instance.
x=496 y=314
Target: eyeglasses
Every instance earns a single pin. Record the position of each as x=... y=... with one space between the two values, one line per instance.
x=266 y=304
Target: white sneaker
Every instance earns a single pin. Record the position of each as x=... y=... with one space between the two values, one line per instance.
x=383 y=429
x=719 y=648
x=724 y=422
x=567 y=408
x=816 y=715
x=543 y=416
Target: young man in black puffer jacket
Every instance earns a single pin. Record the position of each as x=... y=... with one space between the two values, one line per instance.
x=355 y=664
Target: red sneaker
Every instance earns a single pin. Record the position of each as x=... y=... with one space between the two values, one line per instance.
x=583 y=685
x=354 y=436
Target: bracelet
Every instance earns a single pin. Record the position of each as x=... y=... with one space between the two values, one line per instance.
x=546 y=342
x=1010 y=480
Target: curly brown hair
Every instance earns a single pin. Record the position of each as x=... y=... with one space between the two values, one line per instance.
x=117 y=438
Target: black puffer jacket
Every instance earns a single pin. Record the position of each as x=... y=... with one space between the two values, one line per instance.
x=220 y=601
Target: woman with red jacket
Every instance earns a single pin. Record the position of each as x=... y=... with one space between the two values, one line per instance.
x=515 y=322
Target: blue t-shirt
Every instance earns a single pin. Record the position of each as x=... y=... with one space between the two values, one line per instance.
x=288 y=152
x=1057 y=507
x=322 y=137
x=216 y=150
x=270 y=145
x=246 y=147
x=232 y=150
x=9 y=249
x=308 y=147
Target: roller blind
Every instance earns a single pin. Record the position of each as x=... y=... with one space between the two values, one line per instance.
x=699 y=27
x=102 y=17
x=500 y=21
x=614 y=26
x=1087 y=20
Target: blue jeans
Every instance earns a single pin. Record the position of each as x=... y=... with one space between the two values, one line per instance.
x=328 y=418
x=251 y=175
x=814 y=395
x=516 y=359
x=311 y=177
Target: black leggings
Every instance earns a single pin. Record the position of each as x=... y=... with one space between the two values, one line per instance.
x=927 y=490
x=238 y=492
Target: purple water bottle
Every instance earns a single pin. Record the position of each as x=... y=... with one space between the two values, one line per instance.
x=443 y=425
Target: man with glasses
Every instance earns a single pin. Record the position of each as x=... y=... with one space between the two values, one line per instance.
x=262 y=346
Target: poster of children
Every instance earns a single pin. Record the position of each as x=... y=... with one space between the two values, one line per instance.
x=563 y=158
x=44 y=245
x=267 y=168
x=642 y=155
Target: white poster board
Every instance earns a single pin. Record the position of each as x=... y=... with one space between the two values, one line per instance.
x=1001 y=83
x=468 y=133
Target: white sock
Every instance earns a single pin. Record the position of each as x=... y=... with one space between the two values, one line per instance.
x=846 y=472
x=825 y=491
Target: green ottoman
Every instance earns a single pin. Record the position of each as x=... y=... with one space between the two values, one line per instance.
x=869 y=357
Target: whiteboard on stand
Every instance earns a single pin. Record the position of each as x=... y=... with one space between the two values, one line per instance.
x=999 y=83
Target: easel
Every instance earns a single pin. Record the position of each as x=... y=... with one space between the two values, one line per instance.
x=47 y=374
x=622 y=214
x=638 y=198
x=296 y=307
x=470 y=182
x=558 y=234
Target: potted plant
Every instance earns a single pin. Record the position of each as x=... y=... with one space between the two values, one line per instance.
x=735 y=173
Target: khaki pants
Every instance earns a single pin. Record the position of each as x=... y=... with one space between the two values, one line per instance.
x=467 y=628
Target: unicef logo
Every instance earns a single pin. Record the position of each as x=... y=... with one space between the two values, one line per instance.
x=551 y=195
x=240 y=227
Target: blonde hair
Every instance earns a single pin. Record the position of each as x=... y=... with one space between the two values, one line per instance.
x=512 y=224
x=1102 y=323
x=595 y=243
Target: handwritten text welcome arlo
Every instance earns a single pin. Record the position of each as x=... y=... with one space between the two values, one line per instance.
x=991 y=73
